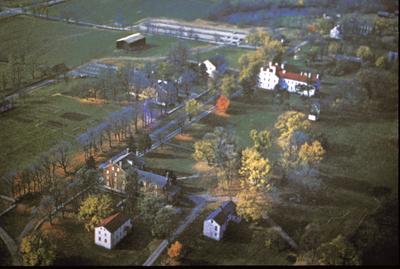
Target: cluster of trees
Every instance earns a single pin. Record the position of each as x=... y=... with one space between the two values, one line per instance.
x=270 y=50
x=37 y=250
x=175 y=255
x=41 y=174
x=299 y=148
x=220 y=150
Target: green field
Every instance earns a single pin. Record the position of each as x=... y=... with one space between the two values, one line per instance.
x=231 y=55
x=54 y=42
x=128 y=12
x=41 y=120
x=18 y=3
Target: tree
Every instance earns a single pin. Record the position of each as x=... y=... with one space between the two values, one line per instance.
x=46 y=207
x=365 y=53
x=178 y=56
x=220 y=150
x=261 y=140
x=382 y=62
x=59 y=194
x=254 y=169
x=228 y=85
x=165 y=70
x=338 y=252
x=274 y=240
x=144 y=141
x=192 y=107
x=94 y=209
x=62 y=155
x=186 y=80
x=291 y=121
x=175 y=250
x=222 y=104
x=149 y=205
x=37 y=250
x=311 y=154
x=132 y=190
x=252 y=203
x=163 y=222
x=175 y=254
x=334 y=48
x=131 y=143
x=202 y=76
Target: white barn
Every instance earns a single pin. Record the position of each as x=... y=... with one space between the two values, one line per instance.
x=276 y=75
x=216 y=223
x=112 y=230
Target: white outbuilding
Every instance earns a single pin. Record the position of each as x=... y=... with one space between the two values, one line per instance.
x=216 y=223
x=112 y=230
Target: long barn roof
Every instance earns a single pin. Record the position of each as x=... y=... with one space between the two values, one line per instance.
x=131 y=38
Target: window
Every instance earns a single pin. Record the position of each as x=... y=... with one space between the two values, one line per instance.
x=117 y=169
x=216 y=228
x=215 y=234
x=108 y=172
x=99 y=238
x=112 y=168
x=99 y=232
x=115 y=174
x=105 y=240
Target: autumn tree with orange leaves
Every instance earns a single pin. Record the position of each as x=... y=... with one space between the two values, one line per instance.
x=222 y=104
x=174 y=254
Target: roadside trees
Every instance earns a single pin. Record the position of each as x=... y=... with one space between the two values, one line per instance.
x=192 y=107
x=163 y=222
x=365 y=53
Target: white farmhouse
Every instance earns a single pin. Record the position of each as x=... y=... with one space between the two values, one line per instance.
x=276 y=75
x=216 y=223
x=211 y=68
x=335 y=33
x=112 y=230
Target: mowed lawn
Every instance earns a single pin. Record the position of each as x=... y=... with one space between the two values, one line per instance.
x=243 y=244
x=52 y=43
x=43 y=119
x=232 y=55
x=360 y=165
x=128 y=12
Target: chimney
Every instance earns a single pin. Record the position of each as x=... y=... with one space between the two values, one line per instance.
x=127 y=150
x=120 y=163
x=301 y=73
x=110 y=161
x=270 y=64
x=282 y=66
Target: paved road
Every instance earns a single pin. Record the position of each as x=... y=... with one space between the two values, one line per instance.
x=200 y=203
x=34 y=86
x=12 y=247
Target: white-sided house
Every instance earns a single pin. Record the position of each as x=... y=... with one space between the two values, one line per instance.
x=335 y=32
x=112 y=230
x=216 y=223
x=216 y=65
x=276 y=75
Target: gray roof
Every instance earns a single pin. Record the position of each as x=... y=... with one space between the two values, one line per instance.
x=221 y=214
x=152 y=178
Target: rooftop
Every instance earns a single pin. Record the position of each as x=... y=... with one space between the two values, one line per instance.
x=131 y=38
x=113 y=222
x=221 y=214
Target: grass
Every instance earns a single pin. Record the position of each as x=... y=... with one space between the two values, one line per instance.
x=243 y=244
x=41 y=120
x=75 y=245
x=5 y=258
x=18 y=3
x=231 y=55
x=128 y=12
x=361 y=159
x=52 y=43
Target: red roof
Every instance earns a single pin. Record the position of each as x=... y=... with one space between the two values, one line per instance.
x=297 y=77
x=113 y=222
x=108 y=219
